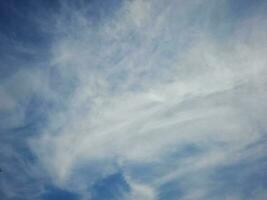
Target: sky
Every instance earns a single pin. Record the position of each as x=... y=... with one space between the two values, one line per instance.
x=133 y=100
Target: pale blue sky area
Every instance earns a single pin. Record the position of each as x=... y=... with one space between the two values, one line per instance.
x=133 y=100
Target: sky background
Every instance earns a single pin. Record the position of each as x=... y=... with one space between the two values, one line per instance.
x=133 y=100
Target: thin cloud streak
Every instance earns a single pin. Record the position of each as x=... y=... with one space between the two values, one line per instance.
x=137 y=88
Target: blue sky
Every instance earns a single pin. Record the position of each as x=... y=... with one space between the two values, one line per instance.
x=133 y=100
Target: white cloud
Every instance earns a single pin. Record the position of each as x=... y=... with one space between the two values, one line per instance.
x=139 y=98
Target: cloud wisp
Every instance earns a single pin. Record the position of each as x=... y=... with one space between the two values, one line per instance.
x=162 y=100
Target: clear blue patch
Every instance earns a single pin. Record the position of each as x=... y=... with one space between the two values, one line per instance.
x=23 y=43
x=243 y=179
x=54 y=193
x=245 y=8
x=170 y=191
x=112 y=187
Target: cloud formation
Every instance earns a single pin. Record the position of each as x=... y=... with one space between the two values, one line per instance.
x=165 y=95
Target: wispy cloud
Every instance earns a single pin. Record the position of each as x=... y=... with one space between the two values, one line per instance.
x=167 y=93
